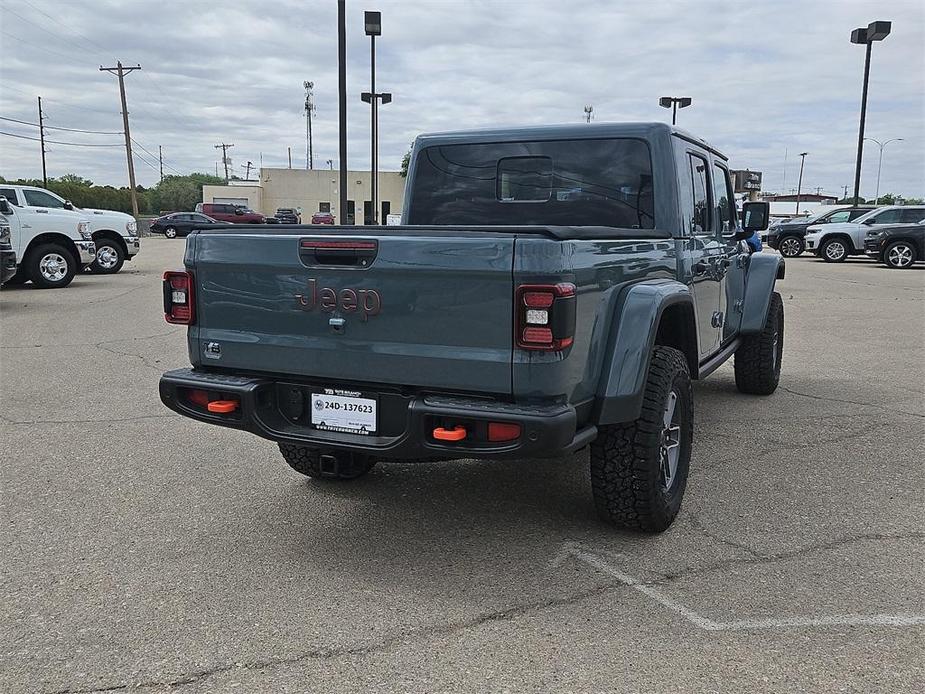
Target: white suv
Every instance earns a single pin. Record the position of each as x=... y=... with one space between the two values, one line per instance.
x=51 y=245
x=114 y=233
x=835 y=242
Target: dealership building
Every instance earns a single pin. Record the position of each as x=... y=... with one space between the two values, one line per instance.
x=315 y=190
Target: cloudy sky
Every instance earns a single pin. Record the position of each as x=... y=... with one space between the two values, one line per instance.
x=769 y=80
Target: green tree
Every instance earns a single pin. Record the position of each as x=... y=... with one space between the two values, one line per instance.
x=406 y=162
x=180 y=193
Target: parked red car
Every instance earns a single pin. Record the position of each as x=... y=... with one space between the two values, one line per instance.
x=322 y=218
x=232 y=214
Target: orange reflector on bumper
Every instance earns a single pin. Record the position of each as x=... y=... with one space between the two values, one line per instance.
x=222 y=406
x=455 y=434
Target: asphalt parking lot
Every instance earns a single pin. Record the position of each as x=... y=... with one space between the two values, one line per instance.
x=144 y=550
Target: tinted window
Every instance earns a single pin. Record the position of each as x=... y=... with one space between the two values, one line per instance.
x=888 y=217
x=200 y=218
x=913 y=215
x=854 y=214
x=723 y=211
x=574 y=182
x=39 y=198
x=700 y=222
x=10 y=195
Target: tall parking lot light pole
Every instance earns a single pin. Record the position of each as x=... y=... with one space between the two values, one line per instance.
x=880 y=161
x=342 y=106
x=674 y=103
x=800 y=182
x=372 y=22
x=875 y=31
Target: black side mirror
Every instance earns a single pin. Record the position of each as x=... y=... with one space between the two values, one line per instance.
x=68 y=205
x=755 y=217
x=5 y=207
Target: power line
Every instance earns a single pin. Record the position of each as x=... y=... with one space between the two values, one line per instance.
x=55 y=142
x=7 y=10
x=56 y=21
x=120 y=72
x=58 y=127
x=155 y=156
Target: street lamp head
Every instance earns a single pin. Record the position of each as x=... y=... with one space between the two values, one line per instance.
x=877 y=31
x=803 y=154
x=386 y=97
x=372 y=22
x=367 y=97
x=665 y=102
x=859 y=36
x=684 y=102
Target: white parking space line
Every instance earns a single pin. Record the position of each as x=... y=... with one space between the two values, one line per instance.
x=575 y=550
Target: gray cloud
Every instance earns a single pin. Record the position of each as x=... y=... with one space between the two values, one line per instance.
x=766 y=79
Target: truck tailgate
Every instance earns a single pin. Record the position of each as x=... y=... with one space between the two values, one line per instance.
x=413 y=308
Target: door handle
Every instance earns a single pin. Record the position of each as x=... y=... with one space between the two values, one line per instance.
x=42 y=211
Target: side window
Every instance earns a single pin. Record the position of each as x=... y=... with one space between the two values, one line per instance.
x=888 y=217
x=723 y=210
x=39 y=198
x=199 y=218
x=854 y=214
x=10 y=196
x=700 y=222
x=324 y=207
x=842 y=216
x=913 y=215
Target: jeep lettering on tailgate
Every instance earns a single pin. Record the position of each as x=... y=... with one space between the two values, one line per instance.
x=367 y=301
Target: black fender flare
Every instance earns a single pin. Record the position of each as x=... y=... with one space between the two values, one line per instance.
x=633 y=331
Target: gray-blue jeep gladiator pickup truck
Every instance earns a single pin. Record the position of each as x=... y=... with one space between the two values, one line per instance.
x=549 y=289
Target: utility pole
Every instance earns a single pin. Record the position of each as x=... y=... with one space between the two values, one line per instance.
x=309 y=109
x=589 y=111
x=247 y=170
x=224 y=149
x=845 y=196
x=290 y=156
x=800 y=182
x=342 y=105
x=160 y=159
x=42 y=140
x=121 y=72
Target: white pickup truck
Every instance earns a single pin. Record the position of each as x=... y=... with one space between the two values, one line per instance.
x=51 y=244
x=114 y=233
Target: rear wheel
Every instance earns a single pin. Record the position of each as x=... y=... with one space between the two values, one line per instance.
x=51 y=266
x=170 y=232
x=758 y=358
x=109 y=257
x=329 y=466
x=790 y=246
x=899 y=255
x=639 y=469
x=834 y=250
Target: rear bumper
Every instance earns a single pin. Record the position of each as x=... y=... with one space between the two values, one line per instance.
x=406 y=421
x=7 y=264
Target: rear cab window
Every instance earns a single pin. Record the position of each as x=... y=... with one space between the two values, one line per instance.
x=10 y=196
x=594 y=182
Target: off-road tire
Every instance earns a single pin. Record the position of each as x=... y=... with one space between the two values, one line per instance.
x=786 y=247
x=758 y=358
x=34 y=260
x=626 y=479
x=307 y=461
x=98 y=269
x=891 y=260
x=170 y=233
x=824 y=250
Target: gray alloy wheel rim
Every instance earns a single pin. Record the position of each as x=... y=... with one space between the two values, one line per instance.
x=170 y=232
x=107 y=257
x=53 y=267
x=835 y=250
x=900 y=255
x=789 y=247
x=669 y=450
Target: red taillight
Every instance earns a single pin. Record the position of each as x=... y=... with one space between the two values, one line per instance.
x=179 y=303
x=503 y=431
x=545 y=316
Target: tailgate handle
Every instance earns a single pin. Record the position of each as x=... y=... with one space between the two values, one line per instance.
x=349 y=253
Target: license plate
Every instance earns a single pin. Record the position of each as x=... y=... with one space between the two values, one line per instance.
x=343 y=410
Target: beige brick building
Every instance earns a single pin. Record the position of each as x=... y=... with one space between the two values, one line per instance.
x=313 y=191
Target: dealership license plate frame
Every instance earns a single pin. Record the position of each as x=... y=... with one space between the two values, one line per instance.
x=335 y=419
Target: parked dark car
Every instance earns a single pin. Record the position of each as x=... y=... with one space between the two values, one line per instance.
x=232 y=214
x=787 y=237
x=897 y=246
x=288 y=215
x=322 y=218
x=180 y=223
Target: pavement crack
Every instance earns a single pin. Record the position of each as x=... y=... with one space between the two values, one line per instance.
x=850 y=402
x=384 y=644
x=108 y=420
x=95 y=344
